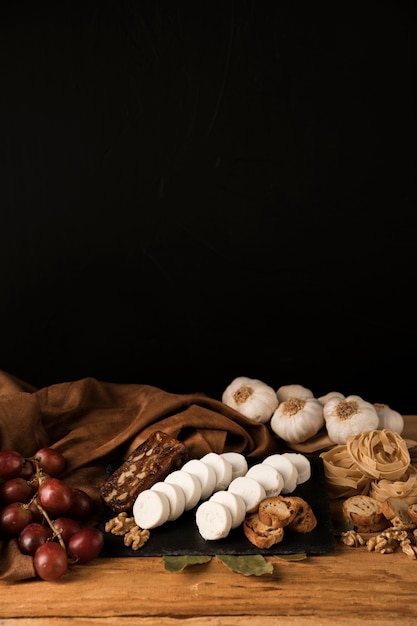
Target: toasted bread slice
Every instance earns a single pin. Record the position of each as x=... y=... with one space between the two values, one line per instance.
x=261 y=535
x=365 y=514
x=277 y=511
x=305 y=520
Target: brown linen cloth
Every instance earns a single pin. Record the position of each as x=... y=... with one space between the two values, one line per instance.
x=94 y=423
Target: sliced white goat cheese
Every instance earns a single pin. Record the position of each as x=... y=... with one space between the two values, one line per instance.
x=222 y=467
x=286 y=468
x=190 y=485
x=234 y=503
x=176 y=498
x=205 y=474
x=238 y=462
x=150 y=509
x=214 y=520
x=269 y=477
x=302 y=463
x=250 y=490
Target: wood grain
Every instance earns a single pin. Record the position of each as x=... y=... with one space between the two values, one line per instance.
x=347 y=587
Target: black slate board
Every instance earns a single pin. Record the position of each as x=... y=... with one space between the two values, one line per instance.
x=181 y=537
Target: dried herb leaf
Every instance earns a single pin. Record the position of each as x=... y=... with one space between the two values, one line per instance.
x=291 y=557
x=248 y=565
x=178 y=563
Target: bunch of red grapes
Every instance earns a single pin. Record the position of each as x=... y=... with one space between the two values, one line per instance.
x=44 y=514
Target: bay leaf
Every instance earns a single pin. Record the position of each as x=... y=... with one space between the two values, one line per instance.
x=248 y=565
x=291 y=557
x=178 y=563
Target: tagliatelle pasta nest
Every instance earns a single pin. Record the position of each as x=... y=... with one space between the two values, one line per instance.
x=373 y=463
x=405 y=488
x=380 y=454
x=343 y=476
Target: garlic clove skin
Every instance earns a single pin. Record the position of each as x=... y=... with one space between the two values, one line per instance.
x=389 y=419
x=293 y=391
x=329 y=395
x=252 y=398
x=347 y=417
x=297 y=419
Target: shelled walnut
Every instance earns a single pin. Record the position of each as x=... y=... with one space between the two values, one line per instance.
x=124 y=526
x=409 y=549
x=136 y=537
x=120 y=524
x=387 y=541
x=352 y=538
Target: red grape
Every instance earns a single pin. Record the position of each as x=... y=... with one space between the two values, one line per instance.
x=27 y=470
x=37 y=515
x=32 y=536
x=50 y=460
x=66 y=527
x=31 y=496
x=50 y=561
x=55 y=496
x=13 y=518
x=86 y=544
x=11 y=464
x=15 y=490
x=35 y=480
x=81 y=505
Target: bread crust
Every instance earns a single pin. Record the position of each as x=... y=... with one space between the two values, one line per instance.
x=259 y=534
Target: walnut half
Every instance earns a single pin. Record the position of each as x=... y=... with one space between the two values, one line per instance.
x=136 y=537
x=124 y=526
x=352 y=538
x=120 y=524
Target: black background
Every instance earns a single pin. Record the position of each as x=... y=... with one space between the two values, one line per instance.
x=194 y=191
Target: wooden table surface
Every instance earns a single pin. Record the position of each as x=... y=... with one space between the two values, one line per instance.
x=349 y=586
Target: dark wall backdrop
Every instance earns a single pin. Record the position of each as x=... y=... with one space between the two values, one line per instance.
x=194 y=191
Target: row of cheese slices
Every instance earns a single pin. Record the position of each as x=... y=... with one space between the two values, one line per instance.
x=224 y=488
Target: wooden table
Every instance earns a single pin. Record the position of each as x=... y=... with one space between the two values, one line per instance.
x=350 y=586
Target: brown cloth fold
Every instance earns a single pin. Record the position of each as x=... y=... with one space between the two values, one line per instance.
x=94 y=423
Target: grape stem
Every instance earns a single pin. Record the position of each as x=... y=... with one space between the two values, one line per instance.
x=41 y=477
x=56 y=533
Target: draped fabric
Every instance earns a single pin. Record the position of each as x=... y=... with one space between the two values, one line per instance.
x=94 y=423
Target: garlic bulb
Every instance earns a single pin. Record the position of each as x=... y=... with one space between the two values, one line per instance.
x=293 y=391
x=348 y=417
x=389 y=419
x=251 y=397
x=330 y=394
x=297 y=419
